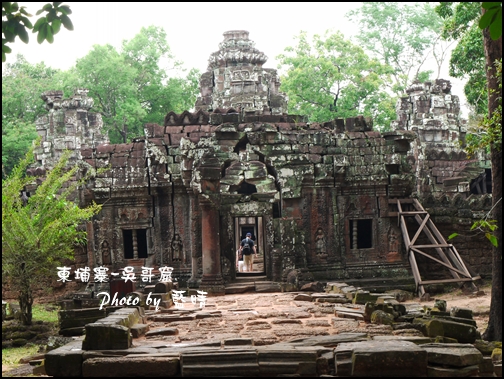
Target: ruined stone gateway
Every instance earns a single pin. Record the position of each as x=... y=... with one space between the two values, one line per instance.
x=319 y=199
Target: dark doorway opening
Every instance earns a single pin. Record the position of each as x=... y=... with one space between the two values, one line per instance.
x=128 y=243
x=361 y=234
x=142 y=243
x=135 y=243
x=245 y=230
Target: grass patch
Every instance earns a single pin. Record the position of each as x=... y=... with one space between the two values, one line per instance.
x=12 y=355
x=45 y=312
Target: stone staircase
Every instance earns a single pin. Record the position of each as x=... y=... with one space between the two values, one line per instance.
x=251 y=282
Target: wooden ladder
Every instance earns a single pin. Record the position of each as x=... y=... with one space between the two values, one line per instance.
x=450 y=258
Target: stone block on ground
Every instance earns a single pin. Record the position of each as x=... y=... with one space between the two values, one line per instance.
x=106 y=337
x=140 y=366
x=386 y=358
x=139 y=330
x=163 y=287
x=453 y=354
x=239 y=362
x=65 y=361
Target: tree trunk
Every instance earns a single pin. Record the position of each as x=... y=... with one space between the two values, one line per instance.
x=493 y=52
x=25 y=304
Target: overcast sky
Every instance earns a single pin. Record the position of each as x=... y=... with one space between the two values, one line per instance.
x=194 y=30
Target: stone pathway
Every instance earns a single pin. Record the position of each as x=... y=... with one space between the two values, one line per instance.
x=265 y=318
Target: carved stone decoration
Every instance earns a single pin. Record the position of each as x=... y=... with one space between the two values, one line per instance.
x=106 y=258
x=177 y=249
x=394 y=253
x=128 y=214
x=320 y=244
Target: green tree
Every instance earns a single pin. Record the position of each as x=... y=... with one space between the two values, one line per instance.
x=16 y=23
x=40 y=231
x=130 y=87
x=331 y=77
x=401 y=35
x=467 y=59
x=22 y=85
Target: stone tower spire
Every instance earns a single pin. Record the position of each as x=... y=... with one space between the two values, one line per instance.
x=236 y=79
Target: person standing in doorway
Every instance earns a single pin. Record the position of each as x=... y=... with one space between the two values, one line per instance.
x=248 y=248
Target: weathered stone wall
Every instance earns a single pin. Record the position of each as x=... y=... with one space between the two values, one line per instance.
x=318 y=193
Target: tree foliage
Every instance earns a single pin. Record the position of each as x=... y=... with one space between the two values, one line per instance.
x=131 y=87
x=16 y=23
x=40 y=231
x=333 y=78
x=401 y=35
x=22 y=85
x=467 y=61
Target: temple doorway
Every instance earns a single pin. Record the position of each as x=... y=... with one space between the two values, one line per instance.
x=253 y=225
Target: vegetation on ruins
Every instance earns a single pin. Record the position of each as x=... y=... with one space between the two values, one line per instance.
x=22 y=84
x=402 y=36
x=131 y=87
x=16 y=23
x=333 y=78
x=40 y=231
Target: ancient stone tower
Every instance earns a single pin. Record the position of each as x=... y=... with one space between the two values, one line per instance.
x=236 y=79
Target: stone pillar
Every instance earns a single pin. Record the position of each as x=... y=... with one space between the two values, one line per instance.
x=193 y=280
x=135 y=244
x=212 y=281
x=90 y=245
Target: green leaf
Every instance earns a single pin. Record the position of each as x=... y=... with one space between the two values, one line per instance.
x=492 y=239
x=51 y=15
x=56 y=25
x=38 y=24
x=496 y=26
x=4 y=57
x=27 y=22
x=22 y=33
x=453 y=235
x=486 y=19
x=25 y=12
x=6 y=49
x=65 y=9
x=490 y=4
x=47 y=7
x=50 y=34
x=57 y=4
x=66 y=22
x=42 y=33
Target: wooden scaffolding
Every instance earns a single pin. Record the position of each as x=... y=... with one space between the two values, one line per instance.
x=449 y=257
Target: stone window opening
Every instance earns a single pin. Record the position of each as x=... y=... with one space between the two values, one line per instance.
x=277 y=210
x=246 y=188
x=135 y=243
x=241 y=145
x=482 y=184
x=361 y=234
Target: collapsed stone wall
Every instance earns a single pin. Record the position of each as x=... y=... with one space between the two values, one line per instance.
x=455 y=190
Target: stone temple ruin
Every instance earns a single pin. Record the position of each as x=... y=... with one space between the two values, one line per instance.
x=323 y=201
